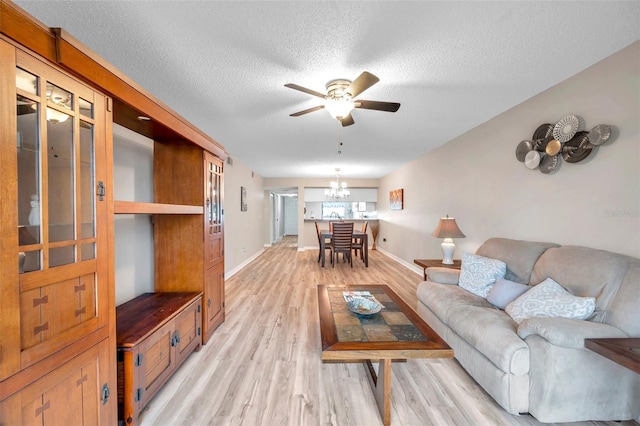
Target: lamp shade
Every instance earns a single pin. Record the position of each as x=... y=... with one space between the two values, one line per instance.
x=447 y=228
x=339 y=108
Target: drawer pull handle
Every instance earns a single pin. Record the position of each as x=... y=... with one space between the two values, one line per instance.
x=43 y=408
x=105 y=394
x=81 y=311
x=40 y=301
x=81 y=287
x=208 y=303
x=175 y=339
x=40 y=328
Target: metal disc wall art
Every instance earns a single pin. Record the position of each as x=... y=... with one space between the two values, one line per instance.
x=548 y=163
x=577 y=148
x=566 y=128
x=522 y=149
x=599 y=134
x=542 y=136
x=567 y=139
x=532 y=160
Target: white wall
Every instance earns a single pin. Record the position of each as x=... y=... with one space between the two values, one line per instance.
x=290 y=215
x=243 y=231
x=477 y=179
x=133 y=234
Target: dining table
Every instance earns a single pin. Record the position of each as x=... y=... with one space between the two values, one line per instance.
x=326 y=235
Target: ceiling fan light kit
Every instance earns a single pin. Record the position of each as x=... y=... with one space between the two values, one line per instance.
x=339 y=99
x=339 y=108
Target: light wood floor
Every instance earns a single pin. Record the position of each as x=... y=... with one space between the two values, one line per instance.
x=263 y=367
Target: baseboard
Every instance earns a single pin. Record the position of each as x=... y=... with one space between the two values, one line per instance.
x=238 y=268
x=412 y=266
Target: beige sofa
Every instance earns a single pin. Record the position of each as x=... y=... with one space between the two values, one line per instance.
x=541 y=366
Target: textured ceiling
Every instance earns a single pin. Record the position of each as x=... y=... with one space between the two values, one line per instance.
x=452 y=66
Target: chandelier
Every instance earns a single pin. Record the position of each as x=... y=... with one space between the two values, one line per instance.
x=337 y=189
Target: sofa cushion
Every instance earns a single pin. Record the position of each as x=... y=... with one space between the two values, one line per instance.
x=623 y=310
x=442 y=297
x=479 y=273
x=494 y=334
x=439 y=274
x=584 y=272
x=505 y=292
x=568 y=333
x=550 y=299
x=520 y=256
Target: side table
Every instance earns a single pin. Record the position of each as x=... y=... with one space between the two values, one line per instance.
x=624 y=351
x=427 y=263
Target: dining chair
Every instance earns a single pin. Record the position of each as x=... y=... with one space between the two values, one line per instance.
x=359 y=241
x=341 y=241
x=327 y=245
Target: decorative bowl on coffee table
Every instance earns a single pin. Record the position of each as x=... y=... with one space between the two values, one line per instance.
x=364 y=307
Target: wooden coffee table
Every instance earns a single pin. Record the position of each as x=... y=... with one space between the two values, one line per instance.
x=396 y=333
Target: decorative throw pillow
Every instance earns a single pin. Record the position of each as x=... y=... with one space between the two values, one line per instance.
x=505 y=292
x=478 y=274
x=550 y=299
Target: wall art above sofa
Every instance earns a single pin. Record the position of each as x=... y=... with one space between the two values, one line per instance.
x=567 y=140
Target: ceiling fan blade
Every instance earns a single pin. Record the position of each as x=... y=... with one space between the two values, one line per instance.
x=306 y=111
x=305 y=90
x=377 y=105
x=347 y=121
x=362 y=83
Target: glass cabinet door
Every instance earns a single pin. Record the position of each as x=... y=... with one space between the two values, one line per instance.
x=213 y=211
x=55 y=147
x=60 y=260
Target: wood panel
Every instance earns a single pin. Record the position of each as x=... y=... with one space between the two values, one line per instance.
x=133 y=207
x=71 y=394
x=178 y=174
x=214 y=300
x=9 y=294
x=179 y=253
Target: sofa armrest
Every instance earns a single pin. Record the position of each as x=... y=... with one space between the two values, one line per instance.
x=438 y=274
x=567 y=333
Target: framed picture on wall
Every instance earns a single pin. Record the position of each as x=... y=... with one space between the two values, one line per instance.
x=243 y=199
x=396 y=199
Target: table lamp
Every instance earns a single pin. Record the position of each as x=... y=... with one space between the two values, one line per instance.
x=447 y=229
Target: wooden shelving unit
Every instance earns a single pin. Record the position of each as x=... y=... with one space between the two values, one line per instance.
x=58 y=322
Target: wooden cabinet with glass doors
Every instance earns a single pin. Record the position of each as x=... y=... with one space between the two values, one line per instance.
x=185 y=174
x=57 y=357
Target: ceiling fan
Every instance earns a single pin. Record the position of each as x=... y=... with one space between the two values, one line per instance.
x=339 y=100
